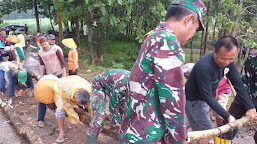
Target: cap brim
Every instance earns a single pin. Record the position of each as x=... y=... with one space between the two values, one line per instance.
x=201 y=27
x=22 y=80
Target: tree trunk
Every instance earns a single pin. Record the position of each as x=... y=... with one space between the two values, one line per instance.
x=233 y=31
x=202 y=41
x=214 y=31
x=50 y=17
x=192 y=47
x=37 y=17
x=99 y=40
x=66 y=26
x=77 y=33
x=207 y=27
x=89 y=37
x=59 y=18
x=81 y=27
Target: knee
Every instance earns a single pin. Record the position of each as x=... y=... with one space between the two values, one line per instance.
x=59 y=113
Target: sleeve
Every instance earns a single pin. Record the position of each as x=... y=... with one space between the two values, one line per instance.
x=114 y=106
x=204 y=83
x=60 y=57
x=20 y=53
x=235 y=79
x=169 y=80
x=72 y=115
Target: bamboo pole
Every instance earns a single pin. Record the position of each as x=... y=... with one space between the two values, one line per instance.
x=196 y=135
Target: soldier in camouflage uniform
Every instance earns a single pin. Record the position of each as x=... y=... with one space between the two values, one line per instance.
x=155 y=101
x=108 y=86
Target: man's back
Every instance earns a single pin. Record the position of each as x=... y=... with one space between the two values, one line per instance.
x=155 y=86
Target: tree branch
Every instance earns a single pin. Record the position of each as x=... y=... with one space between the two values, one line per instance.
x=196 y=135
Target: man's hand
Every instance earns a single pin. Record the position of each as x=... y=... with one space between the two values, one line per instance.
x=81 y=123
x=231 y=119
x=64 y=74
x=252 y=114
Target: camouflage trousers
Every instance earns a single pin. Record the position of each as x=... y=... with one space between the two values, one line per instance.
x=98 y=102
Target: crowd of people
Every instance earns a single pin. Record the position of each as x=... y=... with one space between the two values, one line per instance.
x=149 y=104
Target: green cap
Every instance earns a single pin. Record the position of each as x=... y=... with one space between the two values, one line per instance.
x=195 y=5
x=22 y=76
x=50 y=37
x=17 y=31
x=1 y=44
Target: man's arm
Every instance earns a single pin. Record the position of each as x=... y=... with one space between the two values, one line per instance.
x=60 y=57
x=204 y=83
x=20 y=53
x=248 y=74
x=237 y=83
x=42 y=67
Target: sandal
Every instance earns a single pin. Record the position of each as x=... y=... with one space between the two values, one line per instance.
x=62 y=139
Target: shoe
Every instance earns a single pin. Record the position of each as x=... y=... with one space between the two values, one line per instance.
x=40 y=124
x=9 y=101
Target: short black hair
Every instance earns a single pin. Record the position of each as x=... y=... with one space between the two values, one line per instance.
x=227 y=41
x=178 y=12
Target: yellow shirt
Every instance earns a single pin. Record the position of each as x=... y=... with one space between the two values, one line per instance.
x=65 y=89
x=73 y=59
x=22 y=40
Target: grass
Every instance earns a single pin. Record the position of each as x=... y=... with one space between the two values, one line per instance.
x=31 y=24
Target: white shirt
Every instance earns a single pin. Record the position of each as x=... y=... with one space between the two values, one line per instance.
x=58 y=47
x=4 y=66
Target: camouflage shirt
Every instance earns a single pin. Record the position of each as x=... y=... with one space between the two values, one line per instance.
x=110 y=85
x=249 y=75
x=155 y=100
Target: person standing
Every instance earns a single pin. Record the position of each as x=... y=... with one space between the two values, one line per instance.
x=18 y=50
x=108 y=86
x=203 y=82
x=22 y=39
x=51 y=41
x=51 y=62
x=155 y=101
x=72 y=56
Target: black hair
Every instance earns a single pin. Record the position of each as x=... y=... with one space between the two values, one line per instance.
x=178 y=12
x=226 y=41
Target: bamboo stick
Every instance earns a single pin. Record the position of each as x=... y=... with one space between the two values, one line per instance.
x=196 y=135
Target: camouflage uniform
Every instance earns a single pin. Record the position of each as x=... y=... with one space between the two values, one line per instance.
x=155 y=101
x=249 y=75
x=108 y=86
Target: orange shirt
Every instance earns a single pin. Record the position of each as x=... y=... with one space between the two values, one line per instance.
x=73 y=59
